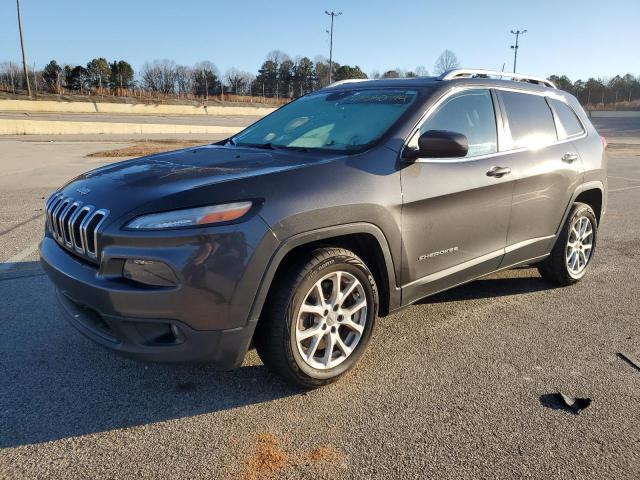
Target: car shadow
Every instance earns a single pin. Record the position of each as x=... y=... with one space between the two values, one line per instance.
x=491 y=287
x=57 y=384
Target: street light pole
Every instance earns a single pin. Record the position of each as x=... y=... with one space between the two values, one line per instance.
x=515 y=47
x=332 y=15
x=24 y=61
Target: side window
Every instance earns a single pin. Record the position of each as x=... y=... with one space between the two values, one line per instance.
x=530 y=120
x=471 y=114
x=568 y=120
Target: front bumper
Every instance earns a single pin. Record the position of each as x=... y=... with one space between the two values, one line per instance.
x=146 y=324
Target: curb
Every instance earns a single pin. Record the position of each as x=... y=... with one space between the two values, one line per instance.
x=127 y=108
x=46 y=127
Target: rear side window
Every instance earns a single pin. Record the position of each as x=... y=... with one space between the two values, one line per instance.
x=530 y=120
x=471 y=114
x=568 y=120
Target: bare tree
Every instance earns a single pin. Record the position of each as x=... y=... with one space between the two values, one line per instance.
x=160 y=76
x=235 y=79
x=11 y=75
x=277 y=56
x=184 y=80
x=446 y=61
x=247 y=81
x=421 y=71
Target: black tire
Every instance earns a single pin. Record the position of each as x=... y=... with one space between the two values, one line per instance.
x=275 y=338
x=554 y=268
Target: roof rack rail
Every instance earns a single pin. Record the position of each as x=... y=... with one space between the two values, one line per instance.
x=471 y=72
x=348 y=80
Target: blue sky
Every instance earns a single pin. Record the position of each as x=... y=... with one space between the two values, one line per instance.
x=579 y=38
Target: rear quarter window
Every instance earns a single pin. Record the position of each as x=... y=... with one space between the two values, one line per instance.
x=570 y=125
x=530 y=120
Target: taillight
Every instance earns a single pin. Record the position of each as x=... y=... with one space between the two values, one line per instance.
x=604 y=142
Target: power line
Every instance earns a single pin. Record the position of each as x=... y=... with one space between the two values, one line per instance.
x=332 y=15
x=515 y=47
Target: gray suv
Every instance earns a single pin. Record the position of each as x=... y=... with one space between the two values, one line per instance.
x=347 y=204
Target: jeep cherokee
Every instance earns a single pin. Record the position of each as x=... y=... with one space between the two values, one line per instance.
x=348 y=203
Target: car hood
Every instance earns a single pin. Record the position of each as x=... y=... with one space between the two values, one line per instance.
x=172 y=177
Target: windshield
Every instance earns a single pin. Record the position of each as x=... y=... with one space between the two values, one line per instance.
x=342 y=120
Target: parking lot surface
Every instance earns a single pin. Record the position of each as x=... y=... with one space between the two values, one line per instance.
x=456 y=386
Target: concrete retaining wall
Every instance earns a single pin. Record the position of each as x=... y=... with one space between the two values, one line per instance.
x=127 y=108
x=45 y=127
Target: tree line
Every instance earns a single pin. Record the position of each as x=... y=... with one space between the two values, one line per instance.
x=594 y=91
x=279 y=77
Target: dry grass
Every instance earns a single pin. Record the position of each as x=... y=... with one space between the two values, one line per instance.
x=145 y=97
x=147 y=148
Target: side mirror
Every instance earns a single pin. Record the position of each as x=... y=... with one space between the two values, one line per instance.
x=440 y=144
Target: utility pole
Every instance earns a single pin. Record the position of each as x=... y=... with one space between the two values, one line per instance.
x=332 y=14
x=206 y=86
x=35 y=80
x=24 y=61
x=515 y=47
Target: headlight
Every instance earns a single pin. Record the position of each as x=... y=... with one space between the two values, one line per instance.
x=191 y=216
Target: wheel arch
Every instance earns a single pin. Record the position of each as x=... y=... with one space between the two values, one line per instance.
x=364 y=239
x=591 y=193
x=592 y=197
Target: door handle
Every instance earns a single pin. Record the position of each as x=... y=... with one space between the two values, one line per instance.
x=569 y=157
x=498 y=172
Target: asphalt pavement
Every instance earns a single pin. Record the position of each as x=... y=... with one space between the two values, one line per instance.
x=457 y=386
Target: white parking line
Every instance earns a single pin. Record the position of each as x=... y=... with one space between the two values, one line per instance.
x=624 y=178
x=623 y=188
x=17 y=258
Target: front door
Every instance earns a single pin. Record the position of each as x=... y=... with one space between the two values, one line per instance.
x=455 y=212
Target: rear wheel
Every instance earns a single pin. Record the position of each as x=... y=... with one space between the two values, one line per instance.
x=574 y=249
x=318 y=321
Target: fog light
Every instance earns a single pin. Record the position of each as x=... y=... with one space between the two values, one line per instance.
x=149 y=272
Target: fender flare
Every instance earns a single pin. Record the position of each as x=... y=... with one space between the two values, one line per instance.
x=320 y=234
x=593 y=185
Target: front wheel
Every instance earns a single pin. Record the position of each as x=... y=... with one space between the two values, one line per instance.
x=574 y=248
x=318 y=320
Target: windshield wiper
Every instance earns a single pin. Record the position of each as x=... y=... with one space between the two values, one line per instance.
x=271 y=146
x=266 y=146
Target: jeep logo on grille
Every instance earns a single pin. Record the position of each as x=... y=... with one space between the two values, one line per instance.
x=83 y=190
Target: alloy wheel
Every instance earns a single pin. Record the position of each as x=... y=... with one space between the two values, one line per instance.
x=331 y=320
x=579 y=246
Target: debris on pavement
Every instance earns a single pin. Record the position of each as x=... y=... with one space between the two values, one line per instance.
x=630 y=360
x=574 y=403
x=560 y=401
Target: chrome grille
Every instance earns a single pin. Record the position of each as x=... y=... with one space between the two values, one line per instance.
x=75 y=225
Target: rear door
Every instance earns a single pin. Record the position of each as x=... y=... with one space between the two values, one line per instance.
x=546 y=168
x=454 y=216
